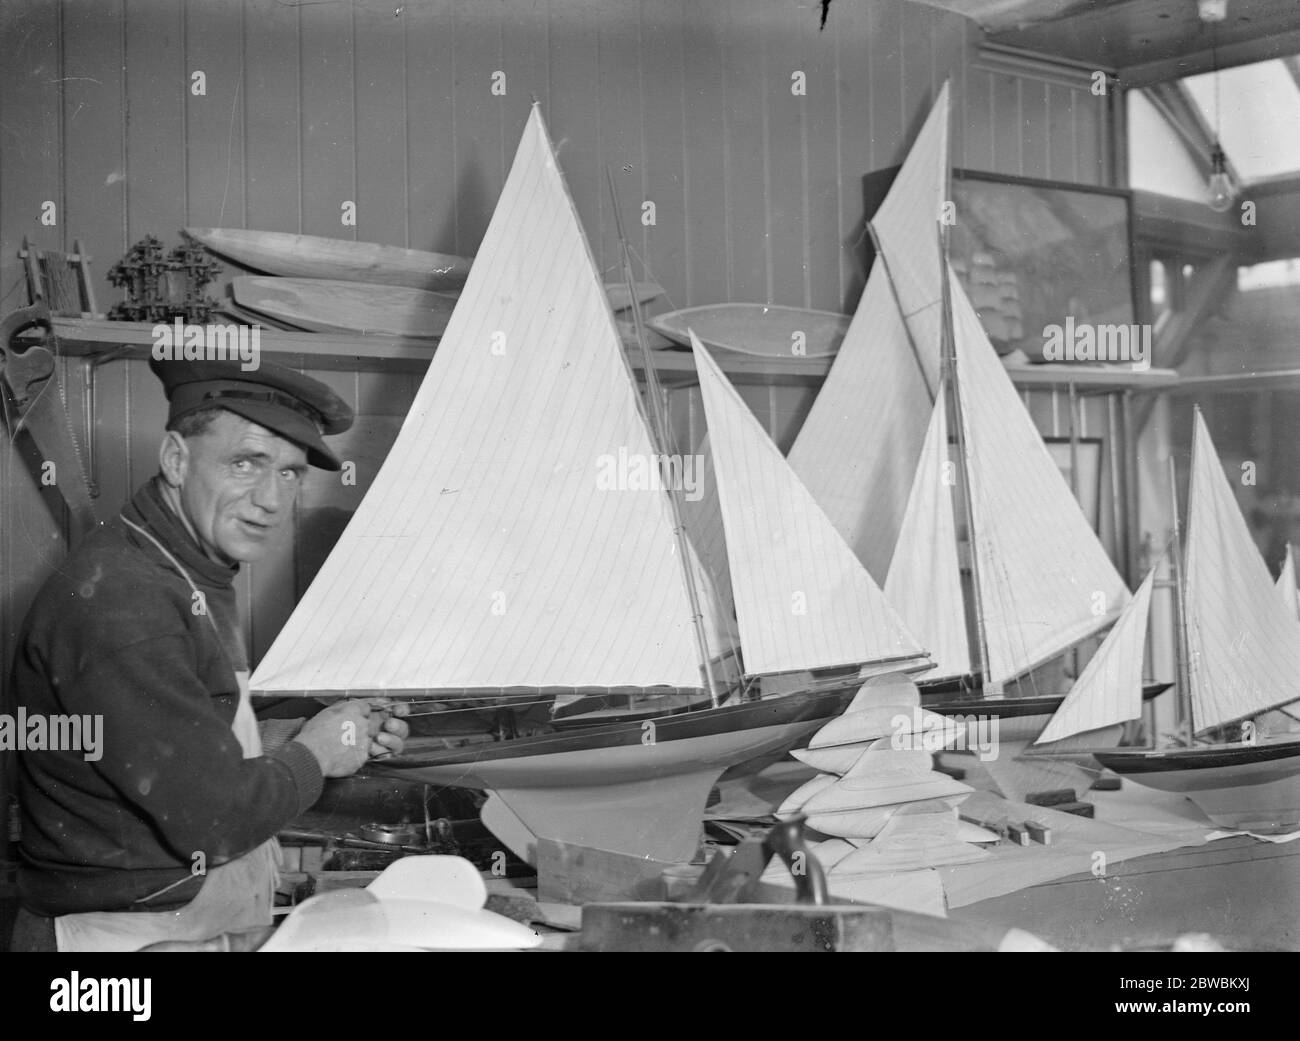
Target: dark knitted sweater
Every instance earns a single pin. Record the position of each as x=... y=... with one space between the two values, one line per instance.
x=115 y=633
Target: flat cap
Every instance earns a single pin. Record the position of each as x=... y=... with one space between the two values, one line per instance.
x=297 y=407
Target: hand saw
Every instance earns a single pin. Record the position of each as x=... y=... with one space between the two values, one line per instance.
x=33 y=403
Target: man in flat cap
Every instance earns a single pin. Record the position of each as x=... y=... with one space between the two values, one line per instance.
x=168 y=832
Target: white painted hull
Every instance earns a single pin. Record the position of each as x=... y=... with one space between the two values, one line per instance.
x=646 y=800
x=1255 y=787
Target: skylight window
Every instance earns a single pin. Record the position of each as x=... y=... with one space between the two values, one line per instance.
x=1259 y=116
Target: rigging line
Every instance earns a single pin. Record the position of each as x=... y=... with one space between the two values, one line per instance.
x=657 y=427
x=898 y=302
x=732 y=643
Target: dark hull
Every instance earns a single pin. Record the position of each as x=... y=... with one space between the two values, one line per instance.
x=962 y=695
x=1256 y=787
x=806 y=707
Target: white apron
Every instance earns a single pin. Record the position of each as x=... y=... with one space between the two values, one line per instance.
x=236 y=895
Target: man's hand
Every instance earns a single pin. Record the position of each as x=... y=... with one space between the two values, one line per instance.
x=344 y=735
x=388 y=732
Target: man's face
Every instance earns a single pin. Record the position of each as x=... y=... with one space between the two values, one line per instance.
x=239 y=487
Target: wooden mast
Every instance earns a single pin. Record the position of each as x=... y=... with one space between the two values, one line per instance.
x=659 y=436
x=949 y=359
x=1180 y=614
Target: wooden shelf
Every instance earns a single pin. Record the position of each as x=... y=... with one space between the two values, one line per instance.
x=95 y=337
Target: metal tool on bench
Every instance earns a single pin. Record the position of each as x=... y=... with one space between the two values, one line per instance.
x=710 y=922
x=736 y=878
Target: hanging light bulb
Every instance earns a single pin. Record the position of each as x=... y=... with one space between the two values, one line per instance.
x=1219 y=187
x=1220 y=184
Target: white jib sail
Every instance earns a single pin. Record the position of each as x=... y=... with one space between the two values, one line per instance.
x=803 y=601
x=907 y=220
x=1110 y=689
x=857 y=450
x=518 y=533
x=1045 y=581
x=1243 y=642
x=924 y=582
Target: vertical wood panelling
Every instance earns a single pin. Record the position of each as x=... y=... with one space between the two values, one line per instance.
x=916 y=87
x=1091 y=127
x=382 y=121
x=786 y=51
x=480 y=170
x=94 y=145
x=1007 y=128
x=432 y=160
x=156 y=88
x=758 y=191
x=525 y=60
x=1034 y=129
x=328 y=120
x=856 y=152
x=979 y=139
x=822 y=204
x=619 y=142
x=30 y=153
x=575 y=108
x=214 y=141
x=662 y=126
x=272 y=118
x=885 y=70
x=746 y=100
x=703 y=150
x=1060 y=132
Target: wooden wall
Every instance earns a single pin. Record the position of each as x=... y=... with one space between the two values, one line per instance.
x=389 y=105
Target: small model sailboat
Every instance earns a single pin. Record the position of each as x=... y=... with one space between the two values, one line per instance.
x=1239 y=652
x=504 y=552
x=1037 y=580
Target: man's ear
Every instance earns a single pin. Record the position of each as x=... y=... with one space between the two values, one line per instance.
x=174 y=459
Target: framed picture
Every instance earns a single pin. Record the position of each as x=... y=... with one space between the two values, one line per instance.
x=1032 y=254
x=1086 y=482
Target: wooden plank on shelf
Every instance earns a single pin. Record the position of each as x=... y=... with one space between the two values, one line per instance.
x=353 y=352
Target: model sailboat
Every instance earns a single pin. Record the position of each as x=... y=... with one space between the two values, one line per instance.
x=502 y=553
x=1038 y=580
x=1239 y=653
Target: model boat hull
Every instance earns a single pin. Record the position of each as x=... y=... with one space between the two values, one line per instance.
x=1256 y=787
x=312 y=256
x=761 y=329
x=330 y=305
x=636 y=787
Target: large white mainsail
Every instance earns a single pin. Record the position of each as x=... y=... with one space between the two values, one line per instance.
x=1110 y=689
x=803 y=601
x=924 y=582
x=857 y=450
x=1045 y=581
x=512 y=537
x=1243 y=643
